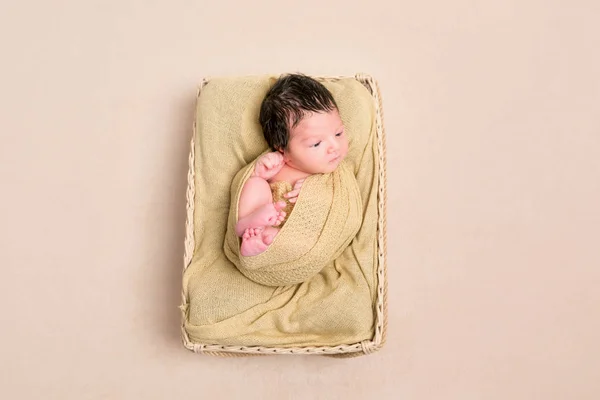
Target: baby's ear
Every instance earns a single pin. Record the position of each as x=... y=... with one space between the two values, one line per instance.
x=282 y=152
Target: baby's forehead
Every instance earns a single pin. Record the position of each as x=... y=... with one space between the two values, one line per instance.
x=316 y=123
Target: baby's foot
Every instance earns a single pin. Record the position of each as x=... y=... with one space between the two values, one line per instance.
x=269 y=234
x=269 y=215
x=252 y=242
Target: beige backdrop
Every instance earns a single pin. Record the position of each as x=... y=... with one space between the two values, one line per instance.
x=492 y=116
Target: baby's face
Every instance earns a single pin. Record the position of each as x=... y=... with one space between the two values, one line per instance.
x=317 y=144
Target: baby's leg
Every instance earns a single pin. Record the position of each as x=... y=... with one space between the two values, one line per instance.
x=256 y=208
x=256 y=215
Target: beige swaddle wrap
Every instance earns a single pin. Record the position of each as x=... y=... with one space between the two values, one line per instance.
x=325 y=218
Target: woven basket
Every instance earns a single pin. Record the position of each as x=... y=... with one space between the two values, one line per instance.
x=346 y=350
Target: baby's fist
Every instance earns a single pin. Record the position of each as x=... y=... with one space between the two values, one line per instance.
x=269 y=165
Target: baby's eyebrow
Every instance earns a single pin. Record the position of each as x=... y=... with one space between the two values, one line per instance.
x=318 y=135
x=311 y=137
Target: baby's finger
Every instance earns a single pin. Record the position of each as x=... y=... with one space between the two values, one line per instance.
x=293 y=200
x=293 y=193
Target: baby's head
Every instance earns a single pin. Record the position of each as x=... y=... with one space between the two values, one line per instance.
x=300 y=119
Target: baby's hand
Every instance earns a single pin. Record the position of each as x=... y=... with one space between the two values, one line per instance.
x=292 y=195
x=268 y=165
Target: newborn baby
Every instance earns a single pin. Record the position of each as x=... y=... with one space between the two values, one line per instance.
x=302 y=125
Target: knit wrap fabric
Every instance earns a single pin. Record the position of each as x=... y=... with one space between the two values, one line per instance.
x=278 y=190
x=324 y=220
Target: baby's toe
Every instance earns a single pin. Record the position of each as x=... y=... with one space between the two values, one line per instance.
x=279 y=205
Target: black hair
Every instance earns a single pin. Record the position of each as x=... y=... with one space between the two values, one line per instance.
x=287 y=102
